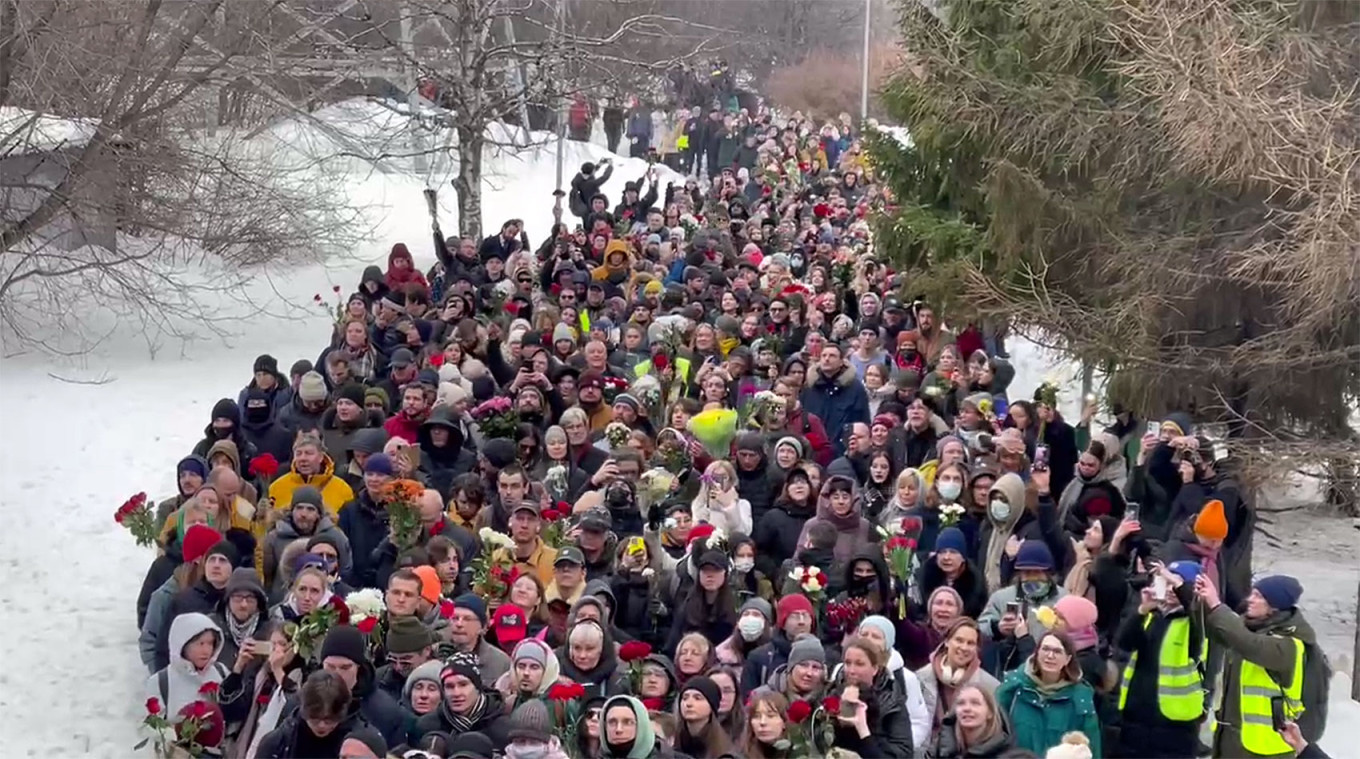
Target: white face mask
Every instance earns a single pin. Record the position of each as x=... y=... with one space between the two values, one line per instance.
x=750 y=627
x=743 y=565
x=999 y=509
x=949 y=490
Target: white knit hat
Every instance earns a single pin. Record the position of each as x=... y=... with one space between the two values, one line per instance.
x=1074 y=745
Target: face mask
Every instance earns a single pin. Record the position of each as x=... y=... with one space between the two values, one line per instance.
x=526 y=752
x=1034 y=588
x=1000 y=510
x=744 y=565
x=949 y=491
x=750 y=628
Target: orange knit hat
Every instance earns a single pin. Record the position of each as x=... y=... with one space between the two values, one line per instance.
x=1211 y=523
x=429 y=582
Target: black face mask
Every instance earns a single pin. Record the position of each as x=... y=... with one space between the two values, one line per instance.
x=620 y=749
x=860 y=586
x=222 y=433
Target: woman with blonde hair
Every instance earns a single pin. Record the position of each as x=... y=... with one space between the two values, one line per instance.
x=974 y=728
x=310 y=589
x=718 y=503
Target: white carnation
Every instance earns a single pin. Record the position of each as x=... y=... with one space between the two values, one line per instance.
x=365 y=603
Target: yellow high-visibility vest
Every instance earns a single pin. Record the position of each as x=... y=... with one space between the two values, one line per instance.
x=1257 y=690
x=1180 y=686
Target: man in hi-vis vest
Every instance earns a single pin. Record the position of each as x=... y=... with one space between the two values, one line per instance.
x=1161 y=694
x=1262 y=667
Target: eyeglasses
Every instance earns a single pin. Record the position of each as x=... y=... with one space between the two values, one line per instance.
x=1052 y=651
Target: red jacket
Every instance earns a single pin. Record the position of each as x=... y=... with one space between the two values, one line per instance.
x=404 y=427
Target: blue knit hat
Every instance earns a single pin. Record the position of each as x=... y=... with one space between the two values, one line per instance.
x=951 y=539
x=1188 y=571
x=379 y=463
x=1280 y=591
x=1034 y=554
x=472 y=603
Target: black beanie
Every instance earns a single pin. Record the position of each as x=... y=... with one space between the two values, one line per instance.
x=226 y=409
x=346 y=642
x=707 y=688
x=370 y=738
x=483 y=389
x=225 y=548
x=317 y=540
x=267 y=364
x=301 y=366
x=500 y=452
x=352 y=392
x=244 y=543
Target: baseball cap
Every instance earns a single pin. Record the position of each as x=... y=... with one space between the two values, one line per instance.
x=529 y=506
x=597 y=520
x=402 y=357
x=570 y=554
x=510 y=623
x=591 y=379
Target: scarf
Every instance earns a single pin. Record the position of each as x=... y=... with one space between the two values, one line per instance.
x=1208 y=558
x=1078 y=581
x=946 y=686
x=1084 y=638
x=242 y=631
x=460 y=723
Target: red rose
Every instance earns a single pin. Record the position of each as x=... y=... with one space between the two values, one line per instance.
x=262 y=699
x=911 y=524
x=653 y=704
x=563 y=691
x=661 y=362
x=437 y=360
x=552 y=515
x=336 y=289
x=911 y=543
x=832 y=704
x=341 y=610
x=446 y=609
x=153 y=706
x=367 y=625
x=563 y=507
x=799 y=711
x=317 y=297
x=139 y=500
x=208 y=689
x=634 y=650
x=118 y=516
x=822 y=579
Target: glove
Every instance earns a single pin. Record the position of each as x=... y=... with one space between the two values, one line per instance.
x=654 y=517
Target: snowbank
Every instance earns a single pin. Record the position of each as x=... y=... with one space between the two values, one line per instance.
x=24 y=131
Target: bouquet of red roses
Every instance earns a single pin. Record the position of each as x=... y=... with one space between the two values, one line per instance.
x=633 y=653
x=135 y=515
x=901 y=548
x=811 y=726
x=197 y=730
x=264 y=466
x=555 y=531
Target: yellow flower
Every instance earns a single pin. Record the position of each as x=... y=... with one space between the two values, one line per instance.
x=715 y=428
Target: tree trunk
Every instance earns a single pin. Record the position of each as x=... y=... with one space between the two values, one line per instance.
x=1355 y=654
x=468 y=184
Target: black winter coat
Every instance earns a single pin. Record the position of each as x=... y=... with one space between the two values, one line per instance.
x=633 y=614
x=970 y=585
x=776 y=534
x=1061 y=440
x=494 y=722
x=364 y=522
x=383 y=711
x=762 y=662
x=293 y=739
x=759 y=488
x=889 y=724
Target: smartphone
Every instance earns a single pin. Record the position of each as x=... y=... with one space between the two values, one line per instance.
x=1013 y=607
x=1159 y=588
x=261 y=647
x=636 y=547
x=1277 y=715
x=1040 y=457
x=1131 y=512
x=1154 y=429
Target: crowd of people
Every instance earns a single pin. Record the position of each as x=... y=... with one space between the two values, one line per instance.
x=696 y=477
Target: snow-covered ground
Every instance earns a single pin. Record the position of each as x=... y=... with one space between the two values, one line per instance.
x=70 y=678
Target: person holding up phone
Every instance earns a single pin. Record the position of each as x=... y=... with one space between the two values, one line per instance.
x=873 y=719
x=241 y=616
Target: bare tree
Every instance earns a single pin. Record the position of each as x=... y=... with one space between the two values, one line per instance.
x=115 y=191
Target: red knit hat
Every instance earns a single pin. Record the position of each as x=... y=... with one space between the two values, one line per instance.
x=700 y=531
x=198 y=540
x=790 y=604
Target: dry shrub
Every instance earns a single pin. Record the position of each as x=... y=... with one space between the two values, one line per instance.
x=827 y=83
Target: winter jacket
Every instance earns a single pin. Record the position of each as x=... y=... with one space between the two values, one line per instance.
x=162 y=567
x=1268 y=643
x=1235 y=555
x=494 y=723
x=242 y=580
x=364 y=524
x=761 y=663
x=930 y=684
x=946 y=743
x=1041 y=716
x=335 y=492
x=1061 y=440
x=838 y=401
x=158 y=605
x=292 y=739
x=284 y=533
x=970 y=585
x=1007 y=651
x=202 y=598
x=890 y=729
x=777 y=535
x=758 y=488
x=338 y=435
x=853 y=533
x=181 y=679
x=444 y=464
x=270 y=437
x=1142 y=716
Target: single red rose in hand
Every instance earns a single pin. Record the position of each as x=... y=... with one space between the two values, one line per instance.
x=367 y=625
x=437 y=360
x=911 y=525
x=661 y=362
x=153 y=705
x=562 y=692
x=208 y=689
x=446 y=609
x=634 y=650
x=832 y=704
x=799 y=711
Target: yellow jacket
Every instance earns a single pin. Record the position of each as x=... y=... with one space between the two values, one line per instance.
x=335 y=492
x=540 y=561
